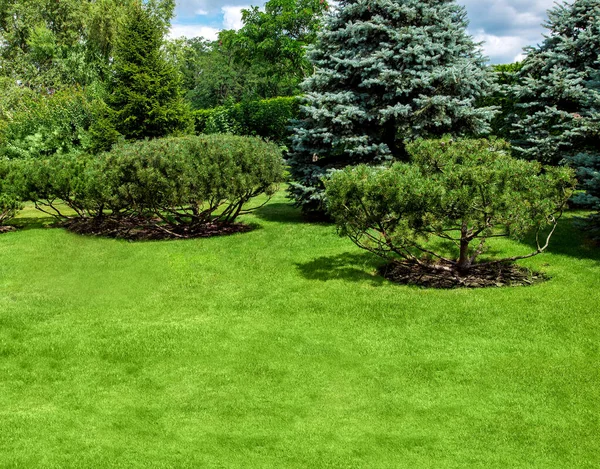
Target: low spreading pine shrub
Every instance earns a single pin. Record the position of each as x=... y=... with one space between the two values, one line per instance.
x=56 y=183
x=439 y=211
x=171 y=182
x=191 y=180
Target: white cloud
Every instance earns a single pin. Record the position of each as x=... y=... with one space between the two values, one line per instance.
x=193 y=30
x=185 y=8
x=507 y=25
x=499 y=46
x=520 y=57
x=232 y=17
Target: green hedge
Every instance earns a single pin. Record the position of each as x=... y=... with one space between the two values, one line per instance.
x=269 y=118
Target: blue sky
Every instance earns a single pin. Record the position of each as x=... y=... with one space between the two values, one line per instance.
x=506 y=26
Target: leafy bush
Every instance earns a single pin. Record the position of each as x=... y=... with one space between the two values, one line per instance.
x=221 y=121
x=201 y=117
x=49 y=124
x=13 y=98
x=460 y=193
x=9 y=203
x=171 y=181
x=269 y=118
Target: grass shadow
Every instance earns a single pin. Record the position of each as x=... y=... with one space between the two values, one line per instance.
x=280 y=212
x=569 y=240
x=34 y=223
x=354 y=267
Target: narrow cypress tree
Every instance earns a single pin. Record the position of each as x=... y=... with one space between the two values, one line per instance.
x=559 y=96
x=145 y=94
x=386 y=71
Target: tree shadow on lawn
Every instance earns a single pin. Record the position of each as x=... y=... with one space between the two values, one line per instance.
x=280 y=212
x=354 y=267
x=569 y=240
x=33 y=223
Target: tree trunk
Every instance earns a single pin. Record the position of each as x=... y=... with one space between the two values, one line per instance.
x=396 y=146
x=464 y=260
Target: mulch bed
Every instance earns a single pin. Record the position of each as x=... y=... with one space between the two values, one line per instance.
x=6 y=229
x=142 y=230
x=499 y=275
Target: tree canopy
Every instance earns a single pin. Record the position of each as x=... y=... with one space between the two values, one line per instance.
x=266 y=58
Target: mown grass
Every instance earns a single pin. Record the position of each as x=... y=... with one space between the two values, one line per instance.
x=282 y=348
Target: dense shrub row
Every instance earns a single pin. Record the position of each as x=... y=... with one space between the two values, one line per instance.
x=165 y=182
x=269 y=118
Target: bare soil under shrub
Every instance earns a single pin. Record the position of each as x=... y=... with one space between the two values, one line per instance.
x=497 y=275
x=6 y=229
x=136 y=229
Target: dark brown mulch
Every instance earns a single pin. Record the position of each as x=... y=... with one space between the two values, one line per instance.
x=142 y=230
x=498 y=275
x=6 y=229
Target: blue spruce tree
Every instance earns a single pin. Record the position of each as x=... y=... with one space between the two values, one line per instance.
x=559 y=96
x=386 y=71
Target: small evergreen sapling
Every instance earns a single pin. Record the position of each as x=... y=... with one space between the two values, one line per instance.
x=386 y=71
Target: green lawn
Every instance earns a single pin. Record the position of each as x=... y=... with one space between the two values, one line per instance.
x=281 y=348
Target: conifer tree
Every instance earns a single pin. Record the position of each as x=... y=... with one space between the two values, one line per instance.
x=145 y=95
x=559 y=97
x=386 y=71
x=559 y=89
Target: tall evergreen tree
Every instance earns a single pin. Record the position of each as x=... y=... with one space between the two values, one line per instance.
x=559 y=87
x=559 y=97
x=145 y=93
x=387 y=71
